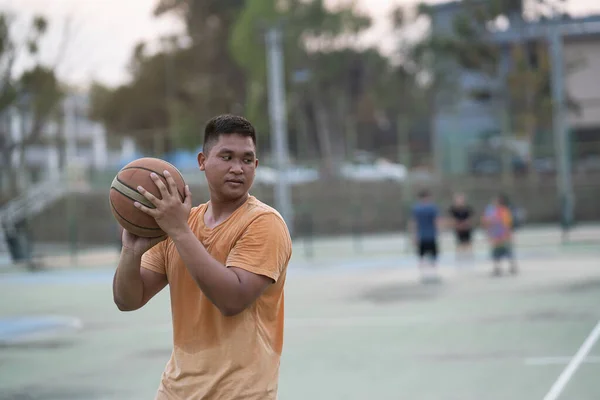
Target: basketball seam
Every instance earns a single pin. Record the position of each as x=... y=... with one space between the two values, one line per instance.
x=129 y=222
x=181 y=196
x=145 y=201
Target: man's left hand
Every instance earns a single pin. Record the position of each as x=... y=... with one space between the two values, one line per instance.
x=170 y=213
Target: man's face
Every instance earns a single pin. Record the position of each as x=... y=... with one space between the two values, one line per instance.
x=229 y=166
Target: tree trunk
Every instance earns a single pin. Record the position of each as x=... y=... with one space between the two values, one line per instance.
x=9 y=171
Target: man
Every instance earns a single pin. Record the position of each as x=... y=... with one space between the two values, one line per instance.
x=461 y=215
x=498 y=221
x=425 y=224
x=225 y=262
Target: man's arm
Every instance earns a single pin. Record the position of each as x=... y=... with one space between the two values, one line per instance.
x=451 y=219
x=232 y=289
x=254 y=263
x=134 y=286
x=440 y=223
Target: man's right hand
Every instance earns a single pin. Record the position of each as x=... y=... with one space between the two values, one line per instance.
x=137 y=244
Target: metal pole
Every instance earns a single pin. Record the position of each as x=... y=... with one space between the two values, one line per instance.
x=169 y=90
x=405 y=159
x=503 y=108
x=277 y=113
x=559 y=123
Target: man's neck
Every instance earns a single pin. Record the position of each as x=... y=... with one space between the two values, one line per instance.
x=218 y=211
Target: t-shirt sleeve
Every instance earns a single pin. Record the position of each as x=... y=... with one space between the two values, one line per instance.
x=264 y=248
x=155 y=258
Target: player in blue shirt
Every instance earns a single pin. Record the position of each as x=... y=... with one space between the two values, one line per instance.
x=425 y=225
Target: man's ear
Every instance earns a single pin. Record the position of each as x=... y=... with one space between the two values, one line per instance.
x=255 y=162
x=201 y=161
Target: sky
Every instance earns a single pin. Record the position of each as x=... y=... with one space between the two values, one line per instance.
x=102 y=33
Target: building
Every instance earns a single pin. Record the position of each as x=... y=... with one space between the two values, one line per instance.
x=462 y=121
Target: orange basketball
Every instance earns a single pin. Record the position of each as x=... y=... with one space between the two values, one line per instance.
x=123 y=193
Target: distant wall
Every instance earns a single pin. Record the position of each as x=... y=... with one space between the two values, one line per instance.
x=328 y=208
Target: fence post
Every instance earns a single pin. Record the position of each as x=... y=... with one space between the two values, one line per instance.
x=356 y=231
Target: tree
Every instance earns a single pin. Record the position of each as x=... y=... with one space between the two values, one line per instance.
x=319 y=44
x=336 y=89
x=206 y=71
x=530 y=92
x=34 y=95
x=174 y=91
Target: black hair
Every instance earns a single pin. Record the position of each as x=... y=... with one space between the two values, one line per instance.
x=503 y=199
x=423 y=194
x=226 y=124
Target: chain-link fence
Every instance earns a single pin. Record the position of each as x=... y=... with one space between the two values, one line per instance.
x=364 y=194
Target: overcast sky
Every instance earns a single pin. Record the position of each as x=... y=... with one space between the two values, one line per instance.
x=103 y=32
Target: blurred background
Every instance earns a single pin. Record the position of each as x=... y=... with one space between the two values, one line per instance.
x=357 y=104
x=369 y=98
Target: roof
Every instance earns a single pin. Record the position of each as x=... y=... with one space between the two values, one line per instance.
x=451 y=5
x=574 y=28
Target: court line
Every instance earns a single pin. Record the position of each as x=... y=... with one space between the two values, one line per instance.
x=575 y=362
x=557 y=360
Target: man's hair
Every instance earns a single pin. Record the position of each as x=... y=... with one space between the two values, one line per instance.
x=503 y=200
x=226 y=124
x=424 y=194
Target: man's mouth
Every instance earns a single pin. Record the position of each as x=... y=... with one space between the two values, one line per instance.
x=235 y=181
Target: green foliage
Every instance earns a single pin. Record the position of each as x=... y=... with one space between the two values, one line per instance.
x=43 y=89
x=223 y=69
x=36 y=91
x=38 y=86
x=247 y=50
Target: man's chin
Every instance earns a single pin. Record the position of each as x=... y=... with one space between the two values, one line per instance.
x=233 y=193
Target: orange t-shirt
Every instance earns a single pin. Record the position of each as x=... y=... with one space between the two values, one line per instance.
x=218 y=357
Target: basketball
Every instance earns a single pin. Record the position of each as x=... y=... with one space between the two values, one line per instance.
x=123 y=193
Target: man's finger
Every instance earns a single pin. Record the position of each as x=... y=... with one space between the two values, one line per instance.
x=188 y=196
x=171 y=182
x=150 y=211
x=152 y=198
x=164 y=191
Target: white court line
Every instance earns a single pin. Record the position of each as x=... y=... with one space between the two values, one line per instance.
x=575 y=362
x=558 y=360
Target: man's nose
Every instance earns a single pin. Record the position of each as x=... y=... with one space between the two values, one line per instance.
x=236 y=167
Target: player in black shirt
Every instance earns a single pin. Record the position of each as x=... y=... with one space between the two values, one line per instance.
x=461 y=215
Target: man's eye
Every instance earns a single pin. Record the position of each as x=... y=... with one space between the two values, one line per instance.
x=248 y=161
x=226 y=158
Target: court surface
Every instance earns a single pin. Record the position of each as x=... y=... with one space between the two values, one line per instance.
x=359 y=325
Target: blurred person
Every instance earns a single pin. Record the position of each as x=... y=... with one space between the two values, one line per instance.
x=498 y=222
x=461 y=220
x=424 y=226
x=225 y=262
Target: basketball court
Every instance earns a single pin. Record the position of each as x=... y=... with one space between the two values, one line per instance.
x=359 y=325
